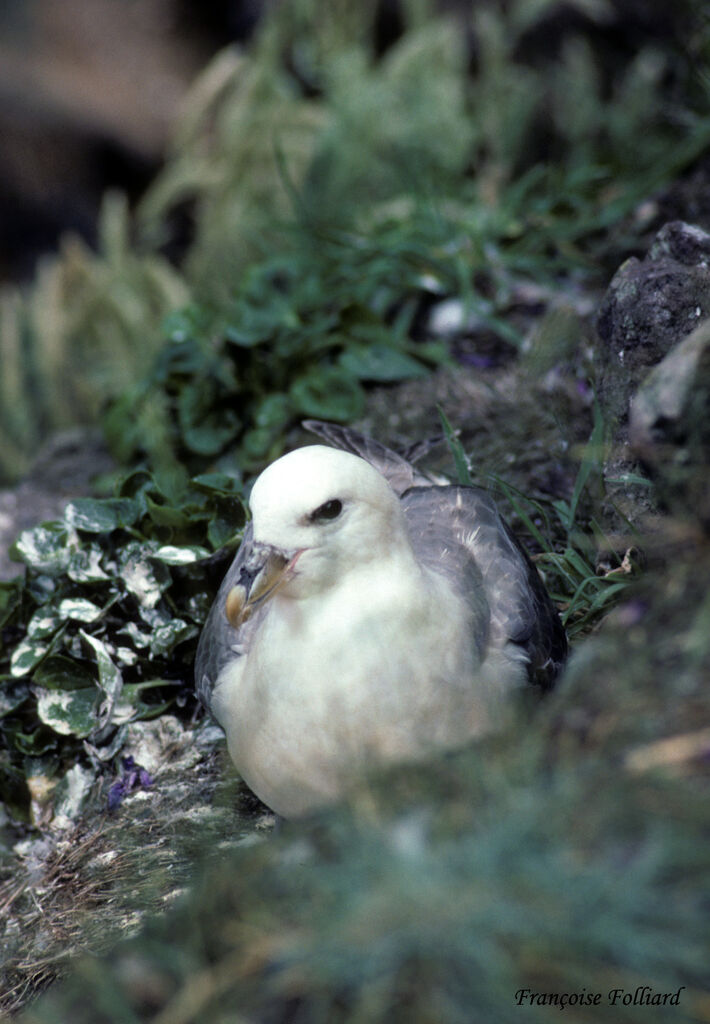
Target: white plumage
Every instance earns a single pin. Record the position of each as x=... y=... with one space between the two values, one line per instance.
x=358 y=624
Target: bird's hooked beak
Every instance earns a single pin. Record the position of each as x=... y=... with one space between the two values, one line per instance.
x=264 y=571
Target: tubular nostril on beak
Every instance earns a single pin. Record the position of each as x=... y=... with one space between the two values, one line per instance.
x=262 y=574
x=247 y=576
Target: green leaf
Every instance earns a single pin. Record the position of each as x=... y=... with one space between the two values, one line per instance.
x=41 y=630
x=206 y=426
x=26 y=655
x=85 y=565
x=110 y=678
x=273 y=412
x=136 y=484
x=182 y=357
x=220 y=483
x=47 y=548
x=59 y=672
x=101 y=515
x=68 y=712
x=379 y=362
x=198 y=605
x=518 y=501
x=167 y=515
x=145 y=579
x=255 y=445
x=247 y=335
x=171 y=555
x=327 y=393
x=35 y=743
x=434 y=352
x=44 y=623
x=71 y=794
x=182 y=325
x=10 y=598
x=139 y=637
x=167 y=637
x=80 y=609
x=221 y=530
x=155 y=617
x=131 y=707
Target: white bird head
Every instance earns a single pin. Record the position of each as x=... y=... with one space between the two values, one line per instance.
x=317 y=513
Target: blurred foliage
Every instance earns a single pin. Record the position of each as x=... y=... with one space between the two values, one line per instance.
x=416 y=123
x=89 y=325
x=455 y=162
x=281 y=352
x=369 y=200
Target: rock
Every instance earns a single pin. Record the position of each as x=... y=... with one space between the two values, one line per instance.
x=650 y=307
x=669 y=427
x=684 y=243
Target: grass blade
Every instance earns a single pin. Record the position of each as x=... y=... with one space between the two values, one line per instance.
x=463 y=472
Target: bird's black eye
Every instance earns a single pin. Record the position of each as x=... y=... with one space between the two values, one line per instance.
x=328 y=510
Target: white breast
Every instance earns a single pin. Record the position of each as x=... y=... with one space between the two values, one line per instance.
x=379 y=668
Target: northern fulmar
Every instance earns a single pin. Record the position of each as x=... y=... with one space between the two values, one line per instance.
x=370 y=615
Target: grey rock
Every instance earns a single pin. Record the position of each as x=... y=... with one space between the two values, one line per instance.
x=650 y=307
x=684 y=243
x=669 y=426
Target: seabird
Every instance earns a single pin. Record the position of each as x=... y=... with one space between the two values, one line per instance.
x=370 y=615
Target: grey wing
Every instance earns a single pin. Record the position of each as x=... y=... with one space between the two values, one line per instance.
x=453 y=527
x=220 y=642
x=399 y=473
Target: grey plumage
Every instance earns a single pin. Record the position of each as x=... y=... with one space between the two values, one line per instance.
x=455 y=531
x=220 y=642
